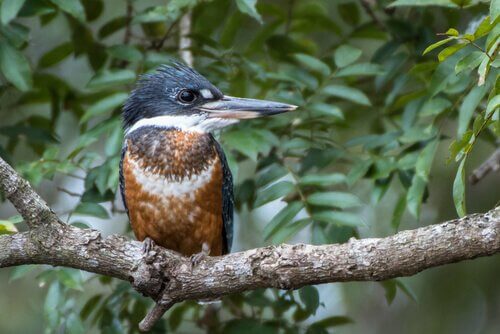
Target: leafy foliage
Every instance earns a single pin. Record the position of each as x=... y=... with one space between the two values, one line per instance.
x=374 y=89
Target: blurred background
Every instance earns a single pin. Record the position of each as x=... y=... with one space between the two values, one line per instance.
x=390 y=125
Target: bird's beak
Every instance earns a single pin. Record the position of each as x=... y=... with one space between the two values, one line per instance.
x=239 y=108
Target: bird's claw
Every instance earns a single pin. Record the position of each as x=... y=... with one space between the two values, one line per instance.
x=198 y=257
x=147 y=245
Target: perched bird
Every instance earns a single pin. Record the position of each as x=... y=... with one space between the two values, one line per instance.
x=174 y=177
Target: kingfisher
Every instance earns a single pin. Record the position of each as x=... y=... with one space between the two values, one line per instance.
x=174 y=177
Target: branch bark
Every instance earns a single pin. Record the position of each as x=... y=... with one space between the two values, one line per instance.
x=169 y=278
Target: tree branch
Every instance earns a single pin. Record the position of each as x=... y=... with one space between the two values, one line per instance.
x=169 y=278
x=492 y=164
x=184 y=39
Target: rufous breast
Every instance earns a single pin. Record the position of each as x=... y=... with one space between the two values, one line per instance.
x=173 y=189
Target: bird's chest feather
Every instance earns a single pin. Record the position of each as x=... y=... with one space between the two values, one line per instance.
x=173 y=188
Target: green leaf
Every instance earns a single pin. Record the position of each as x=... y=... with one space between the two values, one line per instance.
x=468 y=106
x=114 y=143
x=282 y=218
x=361 y=69
x=289 y=230
x=309 y=295
x=248 y=7
x=9 y=10
x=347 y=93
x=459 y=189
x=333 y=321
x=483 y=70
x=390 y=290
x=107 y=78
x=56 y=55
x=493 y=105
x=91 y=209
x=322 y=180
x=112 y=26
x=452 y=32
x=494 y=10
x=270 y=174
x=70 y=278
x=176 y=316
x=248 y=326
x=484 y=28
x=72 y=7
x=435 y=106
x=437 y=44
x=338 y=218
x=358 y=171
x=15 y=67
x=416 y=192
x=417 y=3
x=399 y=209
x=273 y=192
x=90 y=306
x=345 y=55
x=125 y=52
x=336 y=199
x=312 y=63
x=451 y=50
x=406 y=289
x=52 y=298
x=104 y=105
x=7 y=227
x=468 y=62
x=20 y=271
x=323 y=109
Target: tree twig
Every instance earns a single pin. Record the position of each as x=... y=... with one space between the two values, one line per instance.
x=367 y=6
x=169 y=278
x=185 y=41
x=492 y=164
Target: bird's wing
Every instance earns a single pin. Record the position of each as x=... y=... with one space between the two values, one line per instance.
x=227 y=200
x=122 y=179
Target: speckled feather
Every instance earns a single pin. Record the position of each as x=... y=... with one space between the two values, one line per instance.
x=168 y=161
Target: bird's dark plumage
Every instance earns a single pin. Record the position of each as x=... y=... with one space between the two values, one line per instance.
x=155 y=93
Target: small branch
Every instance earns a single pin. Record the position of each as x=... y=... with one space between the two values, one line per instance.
x=185 y=41
x=158 y=45
x=69 y=192
x=492 y=164
x=155 y=315
x=367 y=6
x=26 y=201
x=128 y=25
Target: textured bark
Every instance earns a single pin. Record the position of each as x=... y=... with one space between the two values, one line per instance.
x=169 y=278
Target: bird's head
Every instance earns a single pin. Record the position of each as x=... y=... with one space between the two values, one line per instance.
x=178 y=96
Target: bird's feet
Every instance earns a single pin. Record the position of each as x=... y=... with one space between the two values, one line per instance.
x=147 y=245
x=196 y=258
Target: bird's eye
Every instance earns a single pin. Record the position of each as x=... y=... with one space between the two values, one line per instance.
x=186 y=96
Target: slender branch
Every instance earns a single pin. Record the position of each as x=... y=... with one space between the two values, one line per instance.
x=169 y=278
x=492 y=164
x=26 y=201
x=367 y=6
x=185 y=41
x=128 y=25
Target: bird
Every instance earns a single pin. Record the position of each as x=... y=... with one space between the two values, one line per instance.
x=175 y=181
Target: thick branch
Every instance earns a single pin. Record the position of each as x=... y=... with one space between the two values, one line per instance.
x=170 y=278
